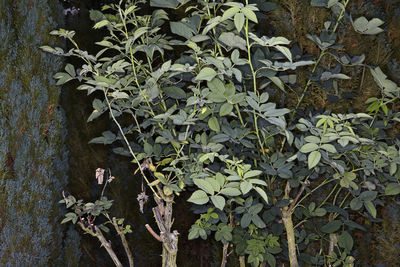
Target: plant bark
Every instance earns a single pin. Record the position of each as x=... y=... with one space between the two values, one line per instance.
x=124 y=242
x=163 y=217
x=242 y=261
x=224 y=254
x=107 y=245
x=288 y=223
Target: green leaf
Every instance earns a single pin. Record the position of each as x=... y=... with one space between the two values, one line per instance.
x=66 y=220
x=119 y=95
x=262 y=193
x=100 y=24
x=370 y=207
x=199 y=197
x=230 y=191
x=218 y=201
x=249 y=14
x=270 y=259
x=193 y=233
x=308 y=147
x=182 y=29
x=206 y=74
x=214 y=183
x=320 y=212
x=331 y=227
x=148 y=148
x=252 y=173
x=239 y=21
x=164 y=3
x=174 y=92
x=258 y=221
x=230 y=12
x=220 y=178
x=204 y=185
x=329 y=148
x=392 y=189
x=245 y=187
x=285 y=51
x=392 y=168
x=313 y=159
x=245 y=220
x=70 y=69
x=346 y=241
x=368 y=195
x=225 y=109
x=95 y=114
x=312 y=139
x=356 y=203
x=213 y=124
x=232 y=40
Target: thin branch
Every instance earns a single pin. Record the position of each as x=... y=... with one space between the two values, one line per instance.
x=107 y=245
x=298 y=195
x=124 y=242
x=151 y=231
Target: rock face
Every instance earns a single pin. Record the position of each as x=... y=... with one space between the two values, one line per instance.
x=33 y=156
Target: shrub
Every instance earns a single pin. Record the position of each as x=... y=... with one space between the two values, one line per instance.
x=194 y=107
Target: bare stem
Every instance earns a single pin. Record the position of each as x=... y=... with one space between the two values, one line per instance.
x=124 y=242
x=151 y=231
x=106 y=244
x=288 y=223
x=224 y=254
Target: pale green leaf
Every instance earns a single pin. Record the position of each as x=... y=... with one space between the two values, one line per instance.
x=214 y=124
x=101 y=24
x=204 y=185
x=199 y=197
x=230 y=12
x=249 y=14
x=252 y=173
x=308 y=147
x=313 y=159
x=230 y=191
x=225 y=109
x=239 y=21
x=206 y=74
x=245 y=187
x=218 y=201
x=262 y=193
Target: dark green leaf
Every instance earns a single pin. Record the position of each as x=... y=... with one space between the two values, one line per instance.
x=174 y=92
x=346 y=241
x=331 y=227
x=392 y=189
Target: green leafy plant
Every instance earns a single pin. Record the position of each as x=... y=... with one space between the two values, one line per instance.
x=197 y=103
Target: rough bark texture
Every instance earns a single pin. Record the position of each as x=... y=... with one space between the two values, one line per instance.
x=33 y=156
x=163 y=217
x=288 y=223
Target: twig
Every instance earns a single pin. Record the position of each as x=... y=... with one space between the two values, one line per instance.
x=298 y=195
x=124 y=242
x=151 y=231
x=107 y=245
